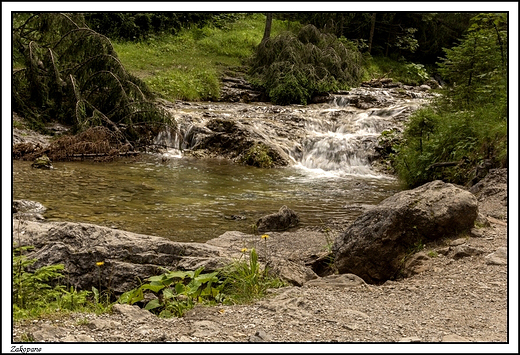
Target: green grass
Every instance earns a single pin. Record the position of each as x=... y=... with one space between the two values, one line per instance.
x=404 y=72
x=188 y=66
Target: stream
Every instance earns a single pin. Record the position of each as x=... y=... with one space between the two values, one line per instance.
x=173 y=195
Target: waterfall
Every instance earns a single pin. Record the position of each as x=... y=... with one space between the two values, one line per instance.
x=171 y=141
x=342 y=142
x=336 y=139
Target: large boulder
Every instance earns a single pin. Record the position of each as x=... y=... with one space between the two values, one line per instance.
x=110 y=258
x=282 y=220
x=376 y=243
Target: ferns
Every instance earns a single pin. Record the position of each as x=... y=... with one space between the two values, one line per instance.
x=73 y=75
x=294 y=68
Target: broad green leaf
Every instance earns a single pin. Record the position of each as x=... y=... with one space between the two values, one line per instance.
x=153 y=288
x=153 y=304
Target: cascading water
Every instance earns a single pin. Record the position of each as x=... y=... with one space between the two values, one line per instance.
x=194 y=199
x=342 y=142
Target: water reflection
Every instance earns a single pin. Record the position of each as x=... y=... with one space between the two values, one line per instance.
x=189 y=200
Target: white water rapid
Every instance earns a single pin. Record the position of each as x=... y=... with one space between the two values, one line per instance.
x=336 y=139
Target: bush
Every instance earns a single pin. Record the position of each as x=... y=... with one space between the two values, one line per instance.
x=467 y=126
x=292 y=68
x=463 y=138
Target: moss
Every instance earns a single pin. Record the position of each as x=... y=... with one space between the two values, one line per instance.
x=258 y=155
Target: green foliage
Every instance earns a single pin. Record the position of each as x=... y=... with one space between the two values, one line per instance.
x=132 y=26
x=468 y=124
x=476 y=69
x=177 y=292
x=188 y=65
x=258 y=155
x=292 y=68
x=244 y=280
x=38 y=292
x=399 y=70
x=71 y=74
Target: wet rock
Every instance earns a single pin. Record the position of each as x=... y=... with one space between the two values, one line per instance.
x=284 y=219
x=374 y=245
x=28 y=210
x=43 y=162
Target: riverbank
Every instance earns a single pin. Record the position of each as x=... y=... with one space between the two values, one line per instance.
x=454 y=298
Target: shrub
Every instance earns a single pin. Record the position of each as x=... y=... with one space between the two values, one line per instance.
x=467 y=125
x=292 y=68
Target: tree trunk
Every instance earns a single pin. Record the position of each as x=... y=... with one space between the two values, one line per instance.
x=268 y=22
x=372 y=28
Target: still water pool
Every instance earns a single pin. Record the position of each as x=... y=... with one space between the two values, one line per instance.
x=192 y=200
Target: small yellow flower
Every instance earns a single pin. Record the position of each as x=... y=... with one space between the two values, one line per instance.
x=244 y=250
x=100 y=263
x=265 y=236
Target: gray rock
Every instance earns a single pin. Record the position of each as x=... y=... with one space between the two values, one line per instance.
x=133 y=312
x=101 y=324
x=259 y=337
x=80 y=338
x=342 y=280
x=375 y=244
x=458 y=242
x=28 y=210
x=284 y=219
x=499 y=257
x=463 y=251
x=292 y=272
x=205 y=328
x=47 y=332
x=127 y=258
x=410 y=340
x=416 y=264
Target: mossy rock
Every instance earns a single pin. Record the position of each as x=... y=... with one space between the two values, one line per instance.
x=258 y=155
x=42 y=162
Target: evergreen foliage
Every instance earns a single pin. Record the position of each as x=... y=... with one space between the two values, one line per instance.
x=293 y=68
x=72 y=75
x=130 y=26
x=467 y=127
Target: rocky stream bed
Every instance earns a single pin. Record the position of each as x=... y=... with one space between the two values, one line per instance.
x=456 y=290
